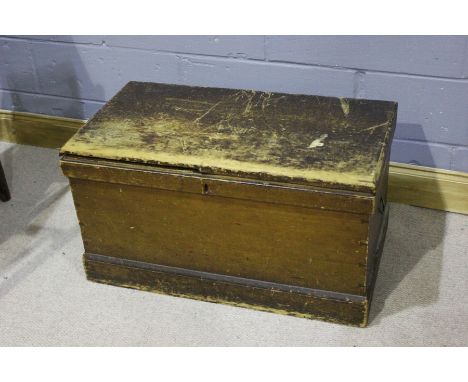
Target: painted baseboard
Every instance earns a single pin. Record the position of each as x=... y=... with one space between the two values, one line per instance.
x=429 y=187
x=37 y=129
x=408 y=184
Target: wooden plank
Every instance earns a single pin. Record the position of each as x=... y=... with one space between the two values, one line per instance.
x=347 y=310
x=213 y=185
x=272 y=242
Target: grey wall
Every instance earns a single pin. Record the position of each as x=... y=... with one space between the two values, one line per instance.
x=73 y=76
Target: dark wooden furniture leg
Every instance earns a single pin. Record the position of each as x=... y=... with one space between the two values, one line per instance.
x=4 y=191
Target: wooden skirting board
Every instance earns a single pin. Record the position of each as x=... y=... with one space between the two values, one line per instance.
x=408 y=184
x=37 y=129
x=429 y=187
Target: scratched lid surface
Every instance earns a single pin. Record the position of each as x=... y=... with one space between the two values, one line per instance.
x=320 y=141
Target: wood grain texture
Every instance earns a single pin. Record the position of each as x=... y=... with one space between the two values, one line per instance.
x=241 y=292
x=258 y=199
x=238 y=291
x=272 y=242
x=238 y=188
x=271 y=249
x=349 y=310
x=321 y=141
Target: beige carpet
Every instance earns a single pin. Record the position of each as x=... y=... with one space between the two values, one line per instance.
x=421 y=292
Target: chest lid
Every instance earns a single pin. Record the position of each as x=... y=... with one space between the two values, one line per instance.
x=301 y=139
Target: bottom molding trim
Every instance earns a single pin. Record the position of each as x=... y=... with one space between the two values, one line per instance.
x=344 y=311
x=318 y=293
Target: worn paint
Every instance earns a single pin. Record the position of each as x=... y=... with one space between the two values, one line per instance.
x=112 y=274
x=319 y=142
x=344 y=106
x=242 y=133
x=198 y=232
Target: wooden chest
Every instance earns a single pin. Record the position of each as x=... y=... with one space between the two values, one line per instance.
x=264 y=200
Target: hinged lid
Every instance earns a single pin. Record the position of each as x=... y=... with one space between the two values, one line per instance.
x=319 y=141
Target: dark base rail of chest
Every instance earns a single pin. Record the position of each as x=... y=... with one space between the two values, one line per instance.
x=265 y=296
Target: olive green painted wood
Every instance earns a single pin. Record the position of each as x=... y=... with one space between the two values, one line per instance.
x=233 y=217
